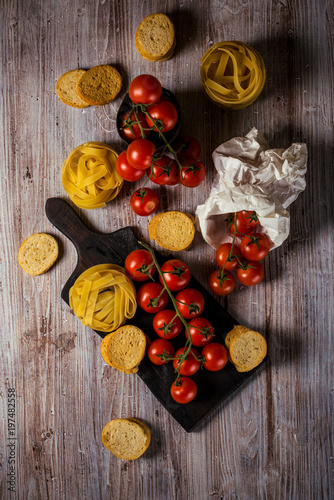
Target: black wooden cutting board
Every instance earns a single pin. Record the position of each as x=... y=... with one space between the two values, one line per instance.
x=97 y=248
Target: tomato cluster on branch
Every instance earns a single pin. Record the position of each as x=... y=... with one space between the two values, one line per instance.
x=151 y=114
x=244 y=259
x=188 y=303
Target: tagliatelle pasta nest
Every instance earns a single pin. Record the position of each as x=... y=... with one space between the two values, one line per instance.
x=232 y=74
x=89 y=175
x=103 y=297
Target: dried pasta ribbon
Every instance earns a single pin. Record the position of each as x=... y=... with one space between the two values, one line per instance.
x=89 y=175
x=232 y=74
x=103 y=297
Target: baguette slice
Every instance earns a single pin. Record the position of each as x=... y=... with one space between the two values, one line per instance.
x=67 y=88
x=155 y=38
x=38 y=253
x=126 y=438
x=172 y=230
x=247 y=350
x=124 y=348
x=100 y=85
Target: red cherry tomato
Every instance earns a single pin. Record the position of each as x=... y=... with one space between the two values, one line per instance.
x=163 y=115
x=166 y=325
x=216 y=357
x=222 y=256
x=239 y=227
x=190 y=303
x=192 y=175
x=176 y=274
x=255 y=247
x=144 y=201
x=188 y=149
x=190 y=365
x=185 y=392
x=221 y=283
x=145 y=89
x=201 y=331
x=140 y=153
x=147 y=298
x=159 y=347
x=163 y=171
x=130 y=128
x=125 y=170
x=248 y=219
x=138 y=265
x=251 y=273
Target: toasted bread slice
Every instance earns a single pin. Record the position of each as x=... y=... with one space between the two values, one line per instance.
x=235 y=331
x=100 y=85
x=126 y=438
x=67 y=88
x=247 y=350
x=38 y=253
x=155 y=38
x=172 y=230
x=124 y=348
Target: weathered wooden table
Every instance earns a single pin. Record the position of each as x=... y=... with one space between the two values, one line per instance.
x=274 y=437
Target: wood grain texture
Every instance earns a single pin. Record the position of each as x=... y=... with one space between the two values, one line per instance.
x=274 y=438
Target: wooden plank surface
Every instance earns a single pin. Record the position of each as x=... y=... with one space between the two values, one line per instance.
x=274 y=437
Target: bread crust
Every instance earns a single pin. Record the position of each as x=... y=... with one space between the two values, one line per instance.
x=247 y=350
x=172 y=230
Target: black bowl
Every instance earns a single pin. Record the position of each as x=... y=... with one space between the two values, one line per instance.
x=171 y=135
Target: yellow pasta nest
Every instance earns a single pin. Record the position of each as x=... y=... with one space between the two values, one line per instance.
x=89 y=175
x=232 y=74
x=103 y=297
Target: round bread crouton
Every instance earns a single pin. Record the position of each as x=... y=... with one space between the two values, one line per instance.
x=67 y=88
x=38 y=253
x=100 y=85
x=126 y=438
x=124 y=348
x=172 y=230
x=155 y=38
x=247 y=350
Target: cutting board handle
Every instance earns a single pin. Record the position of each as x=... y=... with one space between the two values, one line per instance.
x=63 y=217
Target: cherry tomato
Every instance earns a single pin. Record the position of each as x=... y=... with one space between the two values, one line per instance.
x=251 y=273
x=255 y=247
x=176 y=274
x=240 y=227
x=144 y=201
x=166 y=325
x=190 y=365
x=188 y=149
x=163 y=171
x=132 y=131
x=139 y=153
x=221 y=283
x=125 y=170
x=163 y=115
x=138 y=265
x=192 y=175
x=147 y=298
x=248 y=219
x=185 y=392
x=158 y=347
x=222 y=256
x=216 y=357
x=190 y=303
x=145 y=89
x=176 y=179
x=201 y=331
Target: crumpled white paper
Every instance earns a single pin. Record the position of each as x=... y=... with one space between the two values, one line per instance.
x=251 y=176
